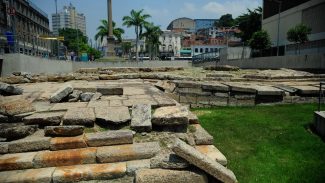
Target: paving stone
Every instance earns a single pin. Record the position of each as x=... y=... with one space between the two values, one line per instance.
x=64 y=131
x=164 y=101
x=166 y=86
x=201 y=136
x=66 y=106
x=44 y=119
x=132 y=166
x=86 y=97
x=169 y=116
x=62 y=143
x=140 y=97
x=196 y=91
x=97 y=96
x=112 y=115
x=115 y=103
x=307 y=90
x=166 y=176
x=79 y=116
x=192 y=118
x=201 y=161
x=3 y=119
x=42 y=175
x=61 y=93
x=17 y=161
x=127 y=152
x=110 y=90
x=31 y=143
x=134 y=91
x=17 y=132
x=286 y=88
x=3 y=147
x=187 y=84
x=109 y=138
x=168 y=160
x=131 y=102
x=240 y=87
x=215 y=87
x=268 y=90
x=213 y=153
x=15 y=106
x=100 y=104
x=89 y=172
x=65 y=157
x=141 y=118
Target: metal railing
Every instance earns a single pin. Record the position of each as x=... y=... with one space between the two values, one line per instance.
x=206 y=57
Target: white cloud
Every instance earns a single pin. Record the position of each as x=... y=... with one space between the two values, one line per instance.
x=188 y=8
x=236 y=7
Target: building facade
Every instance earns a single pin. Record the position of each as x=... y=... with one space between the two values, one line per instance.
x=182 y=25
x=25 y=26
x=204 y=24
x=170 y=44
x=68 y=18
x=308 y=12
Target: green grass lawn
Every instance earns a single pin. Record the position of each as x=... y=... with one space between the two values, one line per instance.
x=267 y=143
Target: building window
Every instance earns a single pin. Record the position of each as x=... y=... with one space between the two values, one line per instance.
x=211 y=49
x=206 y=50
x=201 y=50
x=196 y=50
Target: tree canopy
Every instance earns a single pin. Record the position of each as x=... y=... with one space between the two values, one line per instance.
x=103 y=31
x=225 y=21
x=249 y=23
x=298 y=34
x=260 y=40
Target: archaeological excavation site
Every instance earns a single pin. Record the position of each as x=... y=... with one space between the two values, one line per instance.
x=128 y=125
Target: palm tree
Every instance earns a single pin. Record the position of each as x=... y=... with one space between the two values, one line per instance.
x=103 y=31
x=152 y=38
x=138 y=20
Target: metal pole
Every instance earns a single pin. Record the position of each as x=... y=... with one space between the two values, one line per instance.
x=279 y=18
x=57 y=17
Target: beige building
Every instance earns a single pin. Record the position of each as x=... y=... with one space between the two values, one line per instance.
x=170 y=44
x=308 y=12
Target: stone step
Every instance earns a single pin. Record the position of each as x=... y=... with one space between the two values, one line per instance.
x=66 y=173
x=201 y=136
x=64 y=131
x=108 y=138
x=213 y=153
x=162 y=176
x=201 y=161
x=17 y=161
x=65 y=157
x=141 y=118
x=63 y=143
x=44 y=119
x=80 y=116
x=128 y=152
x=170 y=116
x=112 y=115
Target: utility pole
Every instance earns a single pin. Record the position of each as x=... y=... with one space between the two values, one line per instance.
x=57 y=16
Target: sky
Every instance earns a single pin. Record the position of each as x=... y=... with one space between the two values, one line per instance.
x=162 y=11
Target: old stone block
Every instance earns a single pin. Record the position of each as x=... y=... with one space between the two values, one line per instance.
x=192 y=118
x=3 y=147
x=62 y=143
x=132 y=166
x=213 y=153
x=127 y=152
x=215 y=87
x=100 y=104
x=29 y=175
x=164 y=176
x=110 y=90
x=112 y=115
x=79 y=116
x=17 y=161
x=141 y=118
x=44 y=119
x=63 y=131
x=201 y=161
x=65 y=157
x=115 y=103
x=15 y=106
x=32 y=143
x=168 y=160
x=61 y=93
x=169 y=116
x=66 y=106
x=201 y=136
x=109 y=138
x=17 y=132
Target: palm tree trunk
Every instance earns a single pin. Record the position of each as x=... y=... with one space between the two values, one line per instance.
x=137 y=43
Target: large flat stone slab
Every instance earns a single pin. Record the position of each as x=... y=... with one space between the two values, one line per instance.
x=240 y=87
x=79 y=116
x=17 y=132
x=307 y=90
x=31 y=143
x=201 y=161
x=15 y=106
x=132 y=166
x=89 y=172
x=44 y=119
x=66 y=106
x=215 y=87
x=65 y=157
x=112 y=115
x=168 y=160
x=201 y=136
x=110 y=90
x=61 y=93
x=128 y=152
x=99 y=104
x=29 y=175
x=141 y=118
x=213 y=153
x=62 y=143
x=64 y=131
x=268 y=90
x=170 y=116
x=17 y=161
x=109 y=138
x=165 y=176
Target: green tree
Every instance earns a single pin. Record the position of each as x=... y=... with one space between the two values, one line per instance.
x=152 y=34
x=103 y=31
x=298 y=35
x=225 y=21
x=249 y=23
x=137 y=20
x=260 y=41
x=126 y=47
x=71 y=41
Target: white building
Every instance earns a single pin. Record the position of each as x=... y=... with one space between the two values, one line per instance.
x=170 y=43
x=68 y=18
x=200 y=49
